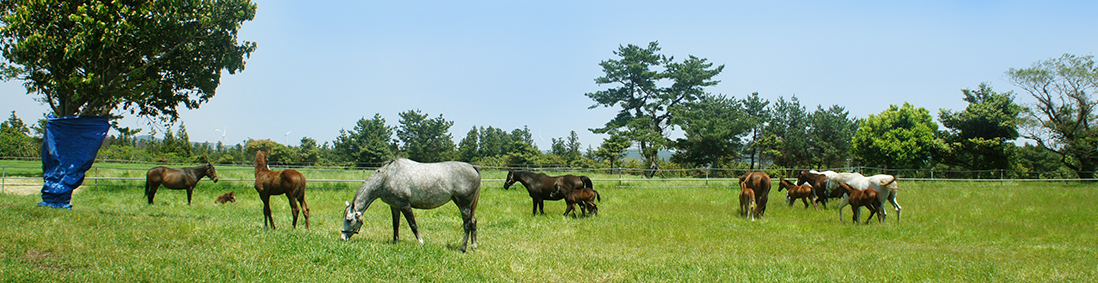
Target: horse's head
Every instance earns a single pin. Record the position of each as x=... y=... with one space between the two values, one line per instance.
x=261 y=160
x=210 y=171
x=841 y=189
x=352 y=222
x=802 y=178
x=558 y=190
x=510 y=180
x=783 y=184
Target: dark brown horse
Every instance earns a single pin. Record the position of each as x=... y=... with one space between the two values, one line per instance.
x=177 y=179
x=759 y=182
x=584 y=196
x=819 y=186
x=794 y=192
x=227 y=197
x=543 y=187
x=860 y=198
x=289 y=182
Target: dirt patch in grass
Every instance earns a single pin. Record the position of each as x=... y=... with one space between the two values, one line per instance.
x=43 y=260
x=20 y=186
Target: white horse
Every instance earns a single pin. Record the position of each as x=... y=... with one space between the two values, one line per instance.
x=884 y=184
x=405 y=184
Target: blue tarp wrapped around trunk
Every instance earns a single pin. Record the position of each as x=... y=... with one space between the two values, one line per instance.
x=68 y=150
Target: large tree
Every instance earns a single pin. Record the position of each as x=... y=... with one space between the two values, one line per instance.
x=91 y=57
x=713 y=127
x=902 y=137
x=15 y=139
x=829 y=133
x=423 y=139
x=613 y=148
x=978 y=138
x=468 y=149
x=1064 y=114
x=786 y=133
x=645 y=105
x=756 y=115
x=369 y=143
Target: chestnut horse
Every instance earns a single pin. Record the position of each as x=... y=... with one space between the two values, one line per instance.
x=227 y=197
x=177 y=179
x=818 y=181
x=794 y=192
x=759 y=182
x=858 y=198
x=584 y=196
x=542 y=187
x=747 y=202
x=289 y=182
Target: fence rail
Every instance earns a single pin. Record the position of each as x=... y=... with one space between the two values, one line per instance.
x=339 y=178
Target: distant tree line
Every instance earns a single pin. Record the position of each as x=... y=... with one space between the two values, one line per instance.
x=717 y=131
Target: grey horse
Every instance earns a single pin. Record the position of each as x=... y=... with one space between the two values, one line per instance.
x=405 y=184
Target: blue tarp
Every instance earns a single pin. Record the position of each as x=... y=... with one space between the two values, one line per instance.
x=68 y=150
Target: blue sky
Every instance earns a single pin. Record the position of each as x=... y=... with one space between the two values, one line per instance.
x=320 y=66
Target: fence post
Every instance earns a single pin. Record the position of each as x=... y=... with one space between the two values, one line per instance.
x=619 y=176
x=706 y=177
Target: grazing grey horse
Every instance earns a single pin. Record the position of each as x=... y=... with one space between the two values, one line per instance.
x=405 y=184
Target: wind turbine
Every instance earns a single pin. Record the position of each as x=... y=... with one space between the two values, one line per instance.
x=222 y=133
x=286 y=138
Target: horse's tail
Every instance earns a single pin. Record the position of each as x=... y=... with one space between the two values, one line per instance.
x=587 y=182
x=148 y=175
x=597 y=196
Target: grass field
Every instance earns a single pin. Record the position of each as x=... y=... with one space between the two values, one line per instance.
x=664 y=231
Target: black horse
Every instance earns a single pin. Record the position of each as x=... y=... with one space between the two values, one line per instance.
x=542 y=187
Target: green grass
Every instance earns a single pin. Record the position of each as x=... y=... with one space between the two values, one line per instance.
x=658 y=231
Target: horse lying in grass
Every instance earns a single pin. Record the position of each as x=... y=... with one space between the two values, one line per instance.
x=858 y=198
x=794 y=192
x=227 y=197
x=404 y=184
x=177 y=179
x=747 y=202
x=584 y=196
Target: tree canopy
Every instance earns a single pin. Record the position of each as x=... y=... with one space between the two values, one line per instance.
x=900 y=137
x=645 y=105
x=1063 y=116
x=423 y=139
x=370 y=142
x=978 y=138
x=829 y=134
x=91 y=57
x=713 y=127
x=15 y=139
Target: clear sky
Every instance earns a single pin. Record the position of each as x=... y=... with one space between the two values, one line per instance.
x=321 y=66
